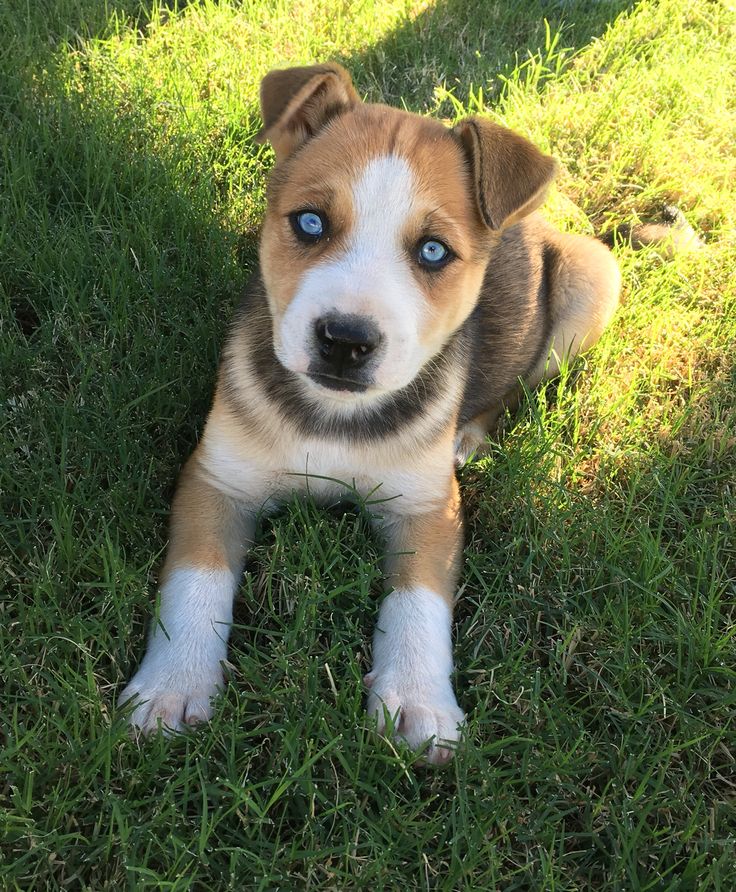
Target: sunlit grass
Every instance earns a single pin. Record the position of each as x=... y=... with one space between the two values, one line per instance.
x=595 y=634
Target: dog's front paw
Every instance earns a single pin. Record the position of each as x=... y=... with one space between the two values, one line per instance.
x=170 y=696
x=419 y=714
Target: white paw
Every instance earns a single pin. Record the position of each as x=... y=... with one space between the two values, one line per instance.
x=170 y=696
x=410 y=681
x=181 y=671
x=419 y=715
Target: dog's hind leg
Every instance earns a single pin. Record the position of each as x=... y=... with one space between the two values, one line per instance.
x=187 y=643
x=409 y=684
x=584 y=295
x=471 y=438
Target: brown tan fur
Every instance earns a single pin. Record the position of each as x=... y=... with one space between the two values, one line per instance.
x=426 y=549
x=221 y=535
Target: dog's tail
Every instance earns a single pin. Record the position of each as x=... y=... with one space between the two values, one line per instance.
x=672 y=235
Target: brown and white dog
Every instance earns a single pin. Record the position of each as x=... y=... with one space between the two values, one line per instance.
x=406 y=288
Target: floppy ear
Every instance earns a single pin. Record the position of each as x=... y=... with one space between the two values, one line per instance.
x=511 y=176
x=297 y=102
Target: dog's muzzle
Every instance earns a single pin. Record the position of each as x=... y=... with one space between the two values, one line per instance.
x=344 y=347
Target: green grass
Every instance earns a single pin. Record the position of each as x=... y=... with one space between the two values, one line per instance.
x=596 y=653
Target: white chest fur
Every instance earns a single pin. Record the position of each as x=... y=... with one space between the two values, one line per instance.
x=385 y=472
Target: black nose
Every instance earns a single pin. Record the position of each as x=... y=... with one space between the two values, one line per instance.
x=346 y=342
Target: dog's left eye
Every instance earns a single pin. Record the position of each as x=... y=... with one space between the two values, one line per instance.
x=433 y=254
x=309 y=226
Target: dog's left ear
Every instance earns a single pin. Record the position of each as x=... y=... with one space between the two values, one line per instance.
x=297 y=102
x=511 y=175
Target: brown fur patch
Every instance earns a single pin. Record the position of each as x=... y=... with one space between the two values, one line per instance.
x=426 y=549
x=207 y=529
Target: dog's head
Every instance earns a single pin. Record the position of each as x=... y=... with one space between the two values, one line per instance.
x=378 y=228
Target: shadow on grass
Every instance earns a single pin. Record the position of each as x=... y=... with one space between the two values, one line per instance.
x=113 y=269
x=76 y=21
x=464 y=43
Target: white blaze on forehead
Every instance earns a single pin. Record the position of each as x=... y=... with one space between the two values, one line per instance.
x=383 y=199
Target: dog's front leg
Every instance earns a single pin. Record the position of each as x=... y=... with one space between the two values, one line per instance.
x=187 y=643
x=409 y=683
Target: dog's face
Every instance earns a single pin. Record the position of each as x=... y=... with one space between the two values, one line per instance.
x=372 y=251
x=377 y=233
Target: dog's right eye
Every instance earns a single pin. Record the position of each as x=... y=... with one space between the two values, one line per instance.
x=308 y=226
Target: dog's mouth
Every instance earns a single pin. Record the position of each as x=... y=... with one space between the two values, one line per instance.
x=332 y=382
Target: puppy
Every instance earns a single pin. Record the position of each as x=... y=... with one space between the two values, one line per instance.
x=406 y=287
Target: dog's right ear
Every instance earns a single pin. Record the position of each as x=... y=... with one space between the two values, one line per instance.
x=297 y=102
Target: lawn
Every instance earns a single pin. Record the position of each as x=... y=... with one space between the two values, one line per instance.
x=596 y=632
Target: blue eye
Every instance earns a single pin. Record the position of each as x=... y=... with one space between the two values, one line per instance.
x=433 y=253
x=308 y=225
